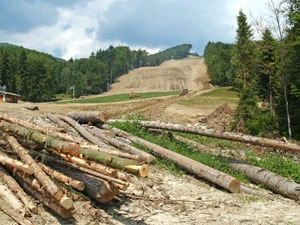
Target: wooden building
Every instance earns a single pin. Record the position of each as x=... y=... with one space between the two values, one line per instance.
x=6 y=96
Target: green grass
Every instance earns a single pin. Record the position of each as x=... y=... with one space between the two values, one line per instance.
x=119 y=97
x=217 y=96
x=274 y=162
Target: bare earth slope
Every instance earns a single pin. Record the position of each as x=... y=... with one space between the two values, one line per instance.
x=172 y=75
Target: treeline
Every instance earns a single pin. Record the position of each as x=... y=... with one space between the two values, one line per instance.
x=38 y=77
x=265 y=72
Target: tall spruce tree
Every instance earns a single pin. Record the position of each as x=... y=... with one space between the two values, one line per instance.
x=268 y=80
x=244 y=62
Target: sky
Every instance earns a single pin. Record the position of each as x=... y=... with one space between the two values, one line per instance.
x=76 y=28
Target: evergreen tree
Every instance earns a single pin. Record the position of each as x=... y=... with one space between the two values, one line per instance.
x=243 y=54
x=244 y=61
x=268 y=80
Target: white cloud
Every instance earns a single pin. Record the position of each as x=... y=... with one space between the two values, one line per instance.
x=74 y=34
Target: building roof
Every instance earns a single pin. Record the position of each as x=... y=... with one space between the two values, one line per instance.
x=8 y=93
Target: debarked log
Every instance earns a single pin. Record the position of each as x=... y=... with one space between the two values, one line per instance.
x=274 y=182
x=214 y=176
x=127 y=165
x=217 y=134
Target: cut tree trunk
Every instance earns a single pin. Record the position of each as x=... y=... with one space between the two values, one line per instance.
x=31 y=185
x=11 y=212
x=88 y=116
x=7 y=195
x=13 y=185
x=78 y=185
x=40 y=175
x=61 y=123
x=125 y=147
x=15 y=164
x=97 y=189
x=127 y=165
x=218 y=134
x=192 y=166
x=274 y=182
x=119 y=183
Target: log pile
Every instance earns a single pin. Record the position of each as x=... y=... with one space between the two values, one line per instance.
x=45 y=163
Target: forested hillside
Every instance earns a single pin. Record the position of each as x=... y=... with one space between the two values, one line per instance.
x=38 y=77
x=264 y=71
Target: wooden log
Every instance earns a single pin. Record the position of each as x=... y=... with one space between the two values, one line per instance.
x=274 y=182
x=40 y=175
x=15 y=164
x=88 y=116
x=78 y=185
x=7 y=195
x=48 y=131
x=31 y=185
x=218 y=134
x=127 y=165
x=53 y=161
x=221 y=179
x=125 y=147
x=61 y=123
x=11 y=212
x=97 y=189
x=17 y=190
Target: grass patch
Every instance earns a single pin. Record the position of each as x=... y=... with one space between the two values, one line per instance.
x=215 y=97
x=182 y=148
x=274 y=162
x=120 y=97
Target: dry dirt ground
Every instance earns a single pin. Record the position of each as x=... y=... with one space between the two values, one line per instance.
x=163 y=197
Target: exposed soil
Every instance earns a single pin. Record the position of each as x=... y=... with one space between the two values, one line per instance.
x=163 y=197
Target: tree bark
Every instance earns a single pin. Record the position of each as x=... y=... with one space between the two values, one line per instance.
x=61 y=123
x=7 y=195
x=15 y=164
x=218 y=134
x=61 y=177
x=192 y=166
x=119 y=144
x=32 y=186
x=127 y=165
x=274 y=182
x=96 y=188
x=17 y=190
x=78 y=185
x=88 y=116
x=11 y=212
x=40 y=175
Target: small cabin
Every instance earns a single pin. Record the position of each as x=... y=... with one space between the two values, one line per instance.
x=6 y=96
